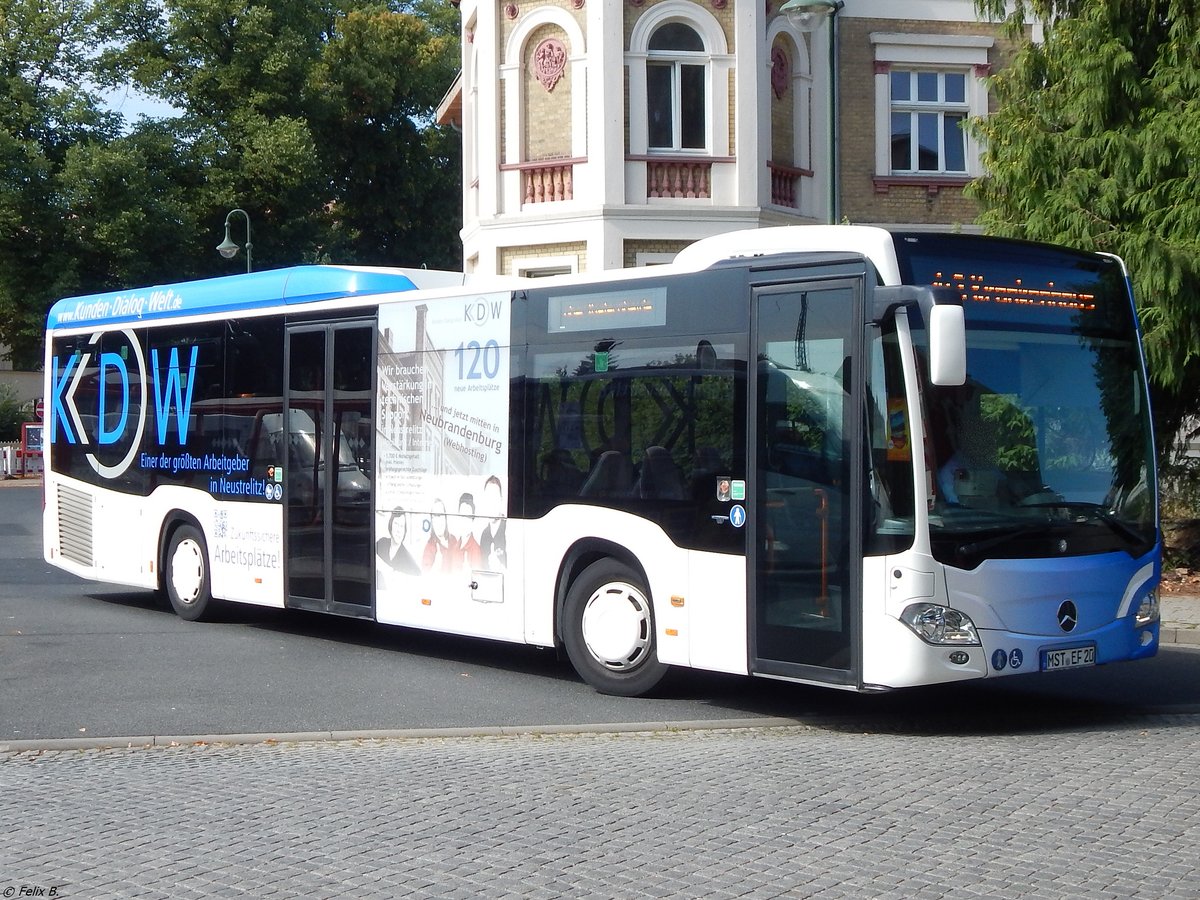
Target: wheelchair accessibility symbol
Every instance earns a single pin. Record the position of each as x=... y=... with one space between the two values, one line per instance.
x=737 y=515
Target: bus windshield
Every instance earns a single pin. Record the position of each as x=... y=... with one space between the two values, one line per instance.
x=1046 y=450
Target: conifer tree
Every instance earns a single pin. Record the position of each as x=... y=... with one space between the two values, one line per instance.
x=1095 y=143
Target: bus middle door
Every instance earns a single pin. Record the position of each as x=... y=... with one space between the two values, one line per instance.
x=330 y=372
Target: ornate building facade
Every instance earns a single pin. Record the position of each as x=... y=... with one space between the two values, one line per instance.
x=605 y=134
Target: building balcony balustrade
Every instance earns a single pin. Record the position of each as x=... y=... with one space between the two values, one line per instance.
x=677 y=177
x=545 y=180
x=785 y=184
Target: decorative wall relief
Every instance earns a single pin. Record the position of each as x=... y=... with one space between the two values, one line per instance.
x=549 y=62
x=781 y=71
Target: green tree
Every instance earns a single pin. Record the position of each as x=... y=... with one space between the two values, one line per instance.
x=395 y=180
x=84 y=205
x=1094 y=145
x=10 y=414
x=44 y=50
x=315 y=116
x=129 y=201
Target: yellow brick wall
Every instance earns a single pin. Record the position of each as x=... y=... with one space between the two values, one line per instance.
x=732 y=149
x=547 y=120
x=783 y=117
x=632 y=248
x=625 y=100
x=510 y=256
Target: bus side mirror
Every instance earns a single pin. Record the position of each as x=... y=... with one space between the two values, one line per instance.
x=947 y=345
x=942 y=310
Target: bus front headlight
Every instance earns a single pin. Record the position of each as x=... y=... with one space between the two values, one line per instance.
x=1147 y=610
x=936 y=624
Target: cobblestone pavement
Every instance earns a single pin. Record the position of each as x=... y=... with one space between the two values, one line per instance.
x=1180 y=622
x=830 y=811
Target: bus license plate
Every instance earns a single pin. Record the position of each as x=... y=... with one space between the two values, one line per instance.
x=1070 y=658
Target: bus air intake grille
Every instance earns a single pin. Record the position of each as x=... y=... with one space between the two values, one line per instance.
x=75 y=525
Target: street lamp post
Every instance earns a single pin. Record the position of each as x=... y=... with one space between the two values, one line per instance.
x=227 y=248
x=806 y=16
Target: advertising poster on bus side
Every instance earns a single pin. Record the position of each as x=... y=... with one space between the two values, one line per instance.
x=442 y=416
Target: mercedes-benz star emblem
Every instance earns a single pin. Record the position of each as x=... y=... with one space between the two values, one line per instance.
x=1068 y=616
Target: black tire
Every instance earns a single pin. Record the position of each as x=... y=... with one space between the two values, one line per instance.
x=608 y=630
x=186 y=576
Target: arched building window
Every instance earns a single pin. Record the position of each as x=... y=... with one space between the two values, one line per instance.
x=676 y=89
x=679 y=71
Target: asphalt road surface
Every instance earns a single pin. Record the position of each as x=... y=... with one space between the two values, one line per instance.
x=84 y=660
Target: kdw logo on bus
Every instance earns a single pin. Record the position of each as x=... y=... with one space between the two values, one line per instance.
x=118 y=382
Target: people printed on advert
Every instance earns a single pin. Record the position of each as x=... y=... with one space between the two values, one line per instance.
x=472 y=540
x=442 y=547
x=469 y=557
x=391 y=548
x=491 y=543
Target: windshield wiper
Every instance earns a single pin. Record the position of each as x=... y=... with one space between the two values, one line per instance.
x=996 y=540
x=1094 y=512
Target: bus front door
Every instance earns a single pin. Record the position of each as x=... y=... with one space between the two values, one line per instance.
x=328 y=418
x=804 y=579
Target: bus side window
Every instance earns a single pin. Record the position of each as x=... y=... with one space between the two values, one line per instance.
x=611 y=476
x=648 y=425
x=660 y=478
x=707 y=468
x=558 y=474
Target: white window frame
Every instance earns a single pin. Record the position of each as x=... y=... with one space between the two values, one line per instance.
x=676 y=60
x=545 y=266
x=941 y=53
x=648 y=258
x=939 y=107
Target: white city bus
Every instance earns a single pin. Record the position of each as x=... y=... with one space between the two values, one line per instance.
x=833 y=455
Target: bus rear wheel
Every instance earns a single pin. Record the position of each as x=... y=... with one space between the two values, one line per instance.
x=186 y=575
x=608 y=630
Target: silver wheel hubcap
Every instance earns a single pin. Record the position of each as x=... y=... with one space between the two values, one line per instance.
x=616 y=626
x=187 y=571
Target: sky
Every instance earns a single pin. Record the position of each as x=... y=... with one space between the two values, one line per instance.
x=132 y=104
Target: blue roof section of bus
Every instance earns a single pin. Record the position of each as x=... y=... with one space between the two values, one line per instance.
x=298 y=284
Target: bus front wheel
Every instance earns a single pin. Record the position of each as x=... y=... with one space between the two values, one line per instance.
x=608 y=630
x=186 y=575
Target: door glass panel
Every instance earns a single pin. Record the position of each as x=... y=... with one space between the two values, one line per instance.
x=306 y=465
x=351 y=512
x=802 y=566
